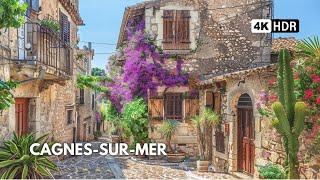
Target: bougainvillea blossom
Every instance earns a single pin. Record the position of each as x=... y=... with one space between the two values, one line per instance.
x=144 y=69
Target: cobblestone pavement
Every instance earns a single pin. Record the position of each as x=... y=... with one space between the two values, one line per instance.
x=85 y=167
x=107 y=167
x=133 y=169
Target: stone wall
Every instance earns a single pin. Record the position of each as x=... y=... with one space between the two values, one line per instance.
x=49 y=100
x=220 y=34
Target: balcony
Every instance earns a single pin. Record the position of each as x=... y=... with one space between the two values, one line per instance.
x=40 y=50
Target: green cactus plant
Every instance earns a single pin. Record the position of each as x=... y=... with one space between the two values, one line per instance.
x=290 y=115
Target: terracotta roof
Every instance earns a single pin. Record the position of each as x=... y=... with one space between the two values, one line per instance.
x=281 y=43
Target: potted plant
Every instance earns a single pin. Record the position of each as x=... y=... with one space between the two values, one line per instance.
x=204 y=124
x=167 y=129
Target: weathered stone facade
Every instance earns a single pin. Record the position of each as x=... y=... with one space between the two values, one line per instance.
x=49 y=90
x=221 y=42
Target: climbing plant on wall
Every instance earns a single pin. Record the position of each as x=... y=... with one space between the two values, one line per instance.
x=12 y=13
x=6 y=97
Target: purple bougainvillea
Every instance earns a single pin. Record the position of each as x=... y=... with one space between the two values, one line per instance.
x=144 y=69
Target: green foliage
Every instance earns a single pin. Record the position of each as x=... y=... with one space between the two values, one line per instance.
x=108 y=111
x=6 y=97
x=97 y=134
x=91 y=82
x=12 y=13
x=271 y=172
x=309 y=48
x=135 y=117
x=98 y=72
x=16 y=161
x=290 y=114
x=167 y=129
x=204 y=124
x=51 y=25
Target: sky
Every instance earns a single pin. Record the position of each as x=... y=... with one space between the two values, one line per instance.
x=103 y=20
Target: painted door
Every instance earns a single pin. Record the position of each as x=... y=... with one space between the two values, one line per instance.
x=21 y=106
x=246 y=140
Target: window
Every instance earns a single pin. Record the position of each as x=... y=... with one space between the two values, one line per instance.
x=176 y=29
x=65 y=28
x=69 y=116
x=81 y=96
x=173 y=106
x=89 y=130
x=220 y=146
x=93 y=102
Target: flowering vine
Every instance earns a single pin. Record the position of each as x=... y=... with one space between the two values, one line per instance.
x=144 y=69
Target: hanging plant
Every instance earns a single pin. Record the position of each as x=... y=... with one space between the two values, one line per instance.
x=50 y=24
x=6 y=97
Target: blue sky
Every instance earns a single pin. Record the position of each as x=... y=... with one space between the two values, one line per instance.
x=103 y=19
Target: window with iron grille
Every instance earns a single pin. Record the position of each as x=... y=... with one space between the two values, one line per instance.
x=69 y=116
x=176 y=29
x=173 y=106
x=81 y=96
x=220 y=146
x=64 y=28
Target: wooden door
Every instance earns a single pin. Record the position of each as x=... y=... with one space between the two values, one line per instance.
x=21 y=106
x=246 y=140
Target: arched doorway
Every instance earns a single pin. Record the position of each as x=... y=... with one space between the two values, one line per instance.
x=245 y=134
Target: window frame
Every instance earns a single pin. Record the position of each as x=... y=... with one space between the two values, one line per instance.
x=177 y=101
x=82 y=96
x=69 y=117
x=177 y=19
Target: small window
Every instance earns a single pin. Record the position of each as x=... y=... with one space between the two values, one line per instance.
x=89 y=130
x=81 y=96
x=176 y=29
x=64 y=28
x=173 y=106
x=220 y=146
x=69 y=116
x=93 y=102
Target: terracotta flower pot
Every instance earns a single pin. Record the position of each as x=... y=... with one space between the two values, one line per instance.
x=115 y=139
x=176 y=157
x=202 y=166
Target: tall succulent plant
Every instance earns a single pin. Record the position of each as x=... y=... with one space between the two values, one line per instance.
x=290 y=115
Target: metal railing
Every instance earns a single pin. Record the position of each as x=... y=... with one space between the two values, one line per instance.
x=40 y=45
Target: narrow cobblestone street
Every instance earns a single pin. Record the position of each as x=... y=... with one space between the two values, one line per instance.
x=107 y=167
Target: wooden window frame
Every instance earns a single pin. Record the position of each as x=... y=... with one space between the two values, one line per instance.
x=176 y=29
x=65 y=28
x=177 y=104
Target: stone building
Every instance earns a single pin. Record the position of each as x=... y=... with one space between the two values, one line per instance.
x=214 y=39
x=85 y=98
x=43 y=61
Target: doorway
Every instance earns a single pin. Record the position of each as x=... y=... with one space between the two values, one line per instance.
x=21 y=108
x=246 y=152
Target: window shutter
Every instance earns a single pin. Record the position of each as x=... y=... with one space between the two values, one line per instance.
x=217 y=102
x=65 y=28
x=191 y=108
x=183 y=27
x=156 y=107
x=168 y=26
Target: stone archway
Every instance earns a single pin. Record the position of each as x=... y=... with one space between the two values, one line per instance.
x=233 y=95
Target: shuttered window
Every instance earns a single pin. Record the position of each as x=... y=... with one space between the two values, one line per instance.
x=176 y=29
x=173 y=106
x=64 y=28
x=81 y=96
x=155 y=106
